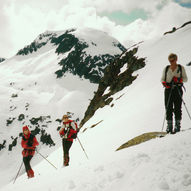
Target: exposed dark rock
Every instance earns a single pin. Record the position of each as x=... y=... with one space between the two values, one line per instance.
x=2 y=59
x=59 y=120
x=35 y=45
x=10 y=121
x=14 y=95
x=175 y=29
x=27 y=106
x=46 y=138
x=12 y=108
x=35 y=121
x=21 y=117
x=13 y=144
x=115 y=80
x=36 y=130
x=3 y=145
x=77 y=61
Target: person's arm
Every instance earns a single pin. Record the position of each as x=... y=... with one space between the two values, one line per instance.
x=163 y=75
x=184 y=75
x=73 y=130
x=35 y=142
x=74 y=126
x=23 y=143
x=61 y=132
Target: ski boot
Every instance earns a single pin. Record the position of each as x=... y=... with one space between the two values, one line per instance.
x=30 y=173
x=177 y=126
x=66 y=160
x=169 y=128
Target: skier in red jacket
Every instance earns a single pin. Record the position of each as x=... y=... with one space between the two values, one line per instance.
x=29 y=143
x=68 y=132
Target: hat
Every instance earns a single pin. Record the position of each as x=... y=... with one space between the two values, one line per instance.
x=25 y=127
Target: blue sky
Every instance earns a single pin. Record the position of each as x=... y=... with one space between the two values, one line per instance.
x=122 y=18
x=184 y=3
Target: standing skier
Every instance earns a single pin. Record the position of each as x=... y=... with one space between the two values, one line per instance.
x=68 y=132
x=172 y=79
x=29 y=143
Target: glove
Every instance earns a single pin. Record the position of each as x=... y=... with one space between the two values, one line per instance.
x=180 y=80
x=165 y=85
x=177 y=80
x=64 y=136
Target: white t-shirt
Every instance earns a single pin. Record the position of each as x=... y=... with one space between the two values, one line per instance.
x=176 y=73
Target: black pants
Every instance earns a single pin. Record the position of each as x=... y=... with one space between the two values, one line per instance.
x=173 y=103
x=26 y=161
x=66 y=146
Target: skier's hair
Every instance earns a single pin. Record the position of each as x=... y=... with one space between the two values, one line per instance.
x=65 y=116
x=172 y=56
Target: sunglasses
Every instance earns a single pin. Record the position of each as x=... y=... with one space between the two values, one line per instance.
x=172 y=60
x=65 y=117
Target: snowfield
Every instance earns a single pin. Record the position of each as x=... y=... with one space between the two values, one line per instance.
x=161 y=164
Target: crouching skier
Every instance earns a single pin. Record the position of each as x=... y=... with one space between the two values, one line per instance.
x=68 y=132
x=29 y=143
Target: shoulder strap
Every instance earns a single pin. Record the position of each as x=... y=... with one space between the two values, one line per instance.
x=166 y=70
x=74 y=124
x=31 y=136
x=180 y=70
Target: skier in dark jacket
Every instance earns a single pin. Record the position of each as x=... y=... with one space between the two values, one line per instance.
x=29 y=144
x=172 y=79
x=67 y=133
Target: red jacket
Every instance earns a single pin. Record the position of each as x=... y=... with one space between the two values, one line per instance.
x=69 y=128
x=29 y=150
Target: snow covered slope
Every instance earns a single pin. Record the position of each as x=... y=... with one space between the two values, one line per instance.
x=31 y=93
x=160 y=164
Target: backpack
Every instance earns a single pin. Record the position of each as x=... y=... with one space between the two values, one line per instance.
x=179 y=70
x=74 y=136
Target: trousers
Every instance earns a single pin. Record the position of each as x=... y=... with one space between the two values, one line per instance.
x=173 y=102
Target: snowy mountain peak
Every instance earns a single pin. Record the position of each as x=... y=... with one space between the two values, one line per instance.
x=85 y=52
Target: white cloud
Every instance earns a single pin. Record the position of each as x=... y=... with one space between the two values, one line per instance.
x=23 y=20
x=163 y=20
x=125 y=5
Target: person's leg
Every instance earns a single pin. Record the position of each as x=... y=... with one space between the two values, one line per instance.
x=26 y=163
x=64 y=150
x=28 y=168
x=67 y=146
x=178 y=108
x=169 y=109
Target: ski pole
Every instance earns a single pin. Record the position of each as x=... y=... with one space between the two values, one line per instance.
x=46 y=159
x=82 y=148
x=18 y=172
x=184 y=103
x=168 y=102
